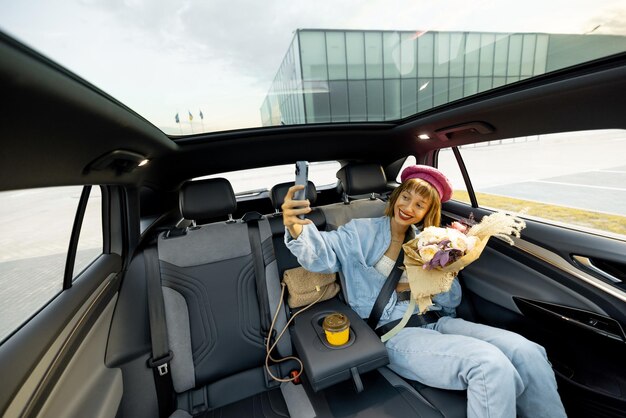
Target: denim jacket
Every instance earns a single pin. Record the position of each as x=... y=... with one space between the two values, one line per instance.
x=354 y=249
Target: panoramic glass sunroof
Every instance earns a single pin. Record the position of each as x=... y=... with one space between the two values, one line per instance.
x=194 y=66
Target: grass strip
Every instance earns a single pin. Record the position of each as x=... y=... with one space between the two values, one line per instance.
x=586 y=218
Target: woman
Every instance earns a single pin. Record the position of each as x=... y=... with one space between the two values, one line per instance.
x=504 y=373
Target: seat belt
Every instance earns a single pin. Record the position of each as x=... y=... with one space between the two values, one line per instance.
x=385 y=292
x=254 y=234
x=388 y=287
x=161 y=354
x=415 y=321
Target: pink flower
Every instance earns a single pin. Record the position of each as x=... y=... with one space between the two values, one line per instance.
x=459 y=226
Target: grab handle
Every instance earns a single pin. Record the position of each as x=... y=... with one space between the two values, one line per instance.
x=586 y=261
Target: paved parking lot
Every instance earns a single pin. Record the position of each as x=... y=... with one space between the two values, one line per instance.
x=563 y=171
x=598 y=190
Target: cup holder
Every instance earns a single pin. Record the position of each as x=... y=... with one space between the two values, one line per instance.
x=317 y=322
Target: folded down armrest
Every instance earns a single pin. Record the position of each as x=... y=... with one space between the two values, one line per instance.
x=326 y=365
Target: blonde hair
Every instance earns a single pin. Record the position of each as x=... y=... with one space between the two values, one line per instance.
x=424 y=189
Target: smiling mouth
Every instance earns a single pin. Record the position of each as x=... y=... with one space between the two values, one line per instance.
x=403 y=215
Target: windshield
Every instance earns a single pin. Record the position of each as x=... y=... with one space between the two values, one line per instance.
x=194 y=66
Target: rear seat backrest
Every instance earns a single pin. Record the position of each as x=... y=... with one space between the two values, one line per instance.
x=209 y=289
x=356 y=180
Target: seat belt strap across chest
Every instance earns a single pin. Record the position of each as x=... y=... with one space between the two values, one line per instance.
x=385 y=292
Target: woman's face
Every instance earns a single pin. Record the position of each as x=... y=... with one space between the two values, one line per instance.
x=410 y=208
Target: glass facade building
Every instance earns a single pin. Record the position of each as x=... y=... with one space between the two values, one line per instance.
x=354 y=76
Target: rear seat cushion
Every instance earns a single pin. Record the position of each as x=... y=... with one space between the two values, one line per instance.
x=267 y=404
x=452 y=402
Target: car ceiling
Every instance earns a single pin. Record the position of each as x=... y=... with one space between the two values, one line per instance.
x=55 y=124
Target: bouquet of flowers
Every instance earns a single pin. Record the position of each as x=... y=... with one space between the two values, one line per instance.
x=436 y=255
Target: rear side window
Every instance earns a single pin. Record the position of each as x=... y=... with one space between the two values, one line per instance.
x=573 y=178
x=36 y=227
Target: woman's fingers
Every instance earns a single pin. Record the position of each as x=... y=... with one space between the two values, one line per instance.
x=289 y=203
x=296 y=211
x=293 y=208
x=292 y=190
x=304 y=221
x=295 y=205
x=291 y=215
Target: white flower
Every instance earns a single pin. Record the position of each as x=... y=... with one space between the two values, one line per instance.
x=427 y=252
x=458 y=240
x=471 y=243
x=431 y=235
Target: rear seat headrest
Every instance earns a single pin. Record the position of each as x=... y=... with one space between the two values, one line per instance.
x=358 y=179
x=204 y=199
x=278 y=193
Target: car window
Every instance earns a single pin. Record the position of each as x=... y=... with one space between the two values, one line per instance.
x=36 y=228
x=572 y=178
x=322 y=174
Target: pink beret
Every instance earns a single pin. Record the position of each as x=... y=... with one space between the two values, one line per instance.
x=431 y=175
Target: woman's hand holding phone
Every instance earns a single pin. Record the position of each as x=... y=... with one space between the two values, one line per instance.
x=292 y=209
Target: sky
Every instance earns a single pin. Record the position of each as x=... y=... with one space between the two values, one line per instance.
x=163 y=57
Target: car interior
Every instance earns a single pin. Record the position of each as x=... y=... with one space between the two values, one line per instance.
x=172 y=318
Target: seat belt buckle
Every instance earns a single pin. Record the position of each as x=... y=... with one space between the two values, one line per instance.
x=162 y=369
x=161 y=364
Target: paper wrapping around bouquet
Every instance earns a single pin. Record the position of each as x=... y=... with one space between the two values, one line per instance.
x=426 y=283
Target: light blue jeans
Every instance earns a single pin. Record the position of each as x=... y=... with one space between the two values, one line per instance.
x=504 y=373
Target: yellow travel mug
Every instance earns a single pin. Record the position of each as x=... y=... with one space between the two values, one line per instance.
x=337 y=328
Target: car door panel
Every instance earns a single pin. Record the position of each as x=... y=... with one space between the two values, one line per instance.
x=50 y=349
x=578 y=320
x=496 y=277
x=536 y=288
x=86 y=387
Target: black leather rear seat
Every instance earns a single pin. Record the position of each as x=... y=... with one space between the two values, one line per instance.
x=213 y=321
x=212 y=310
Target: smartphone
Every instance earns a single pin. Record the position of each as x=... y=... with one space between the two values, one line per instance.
x=302 y=178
